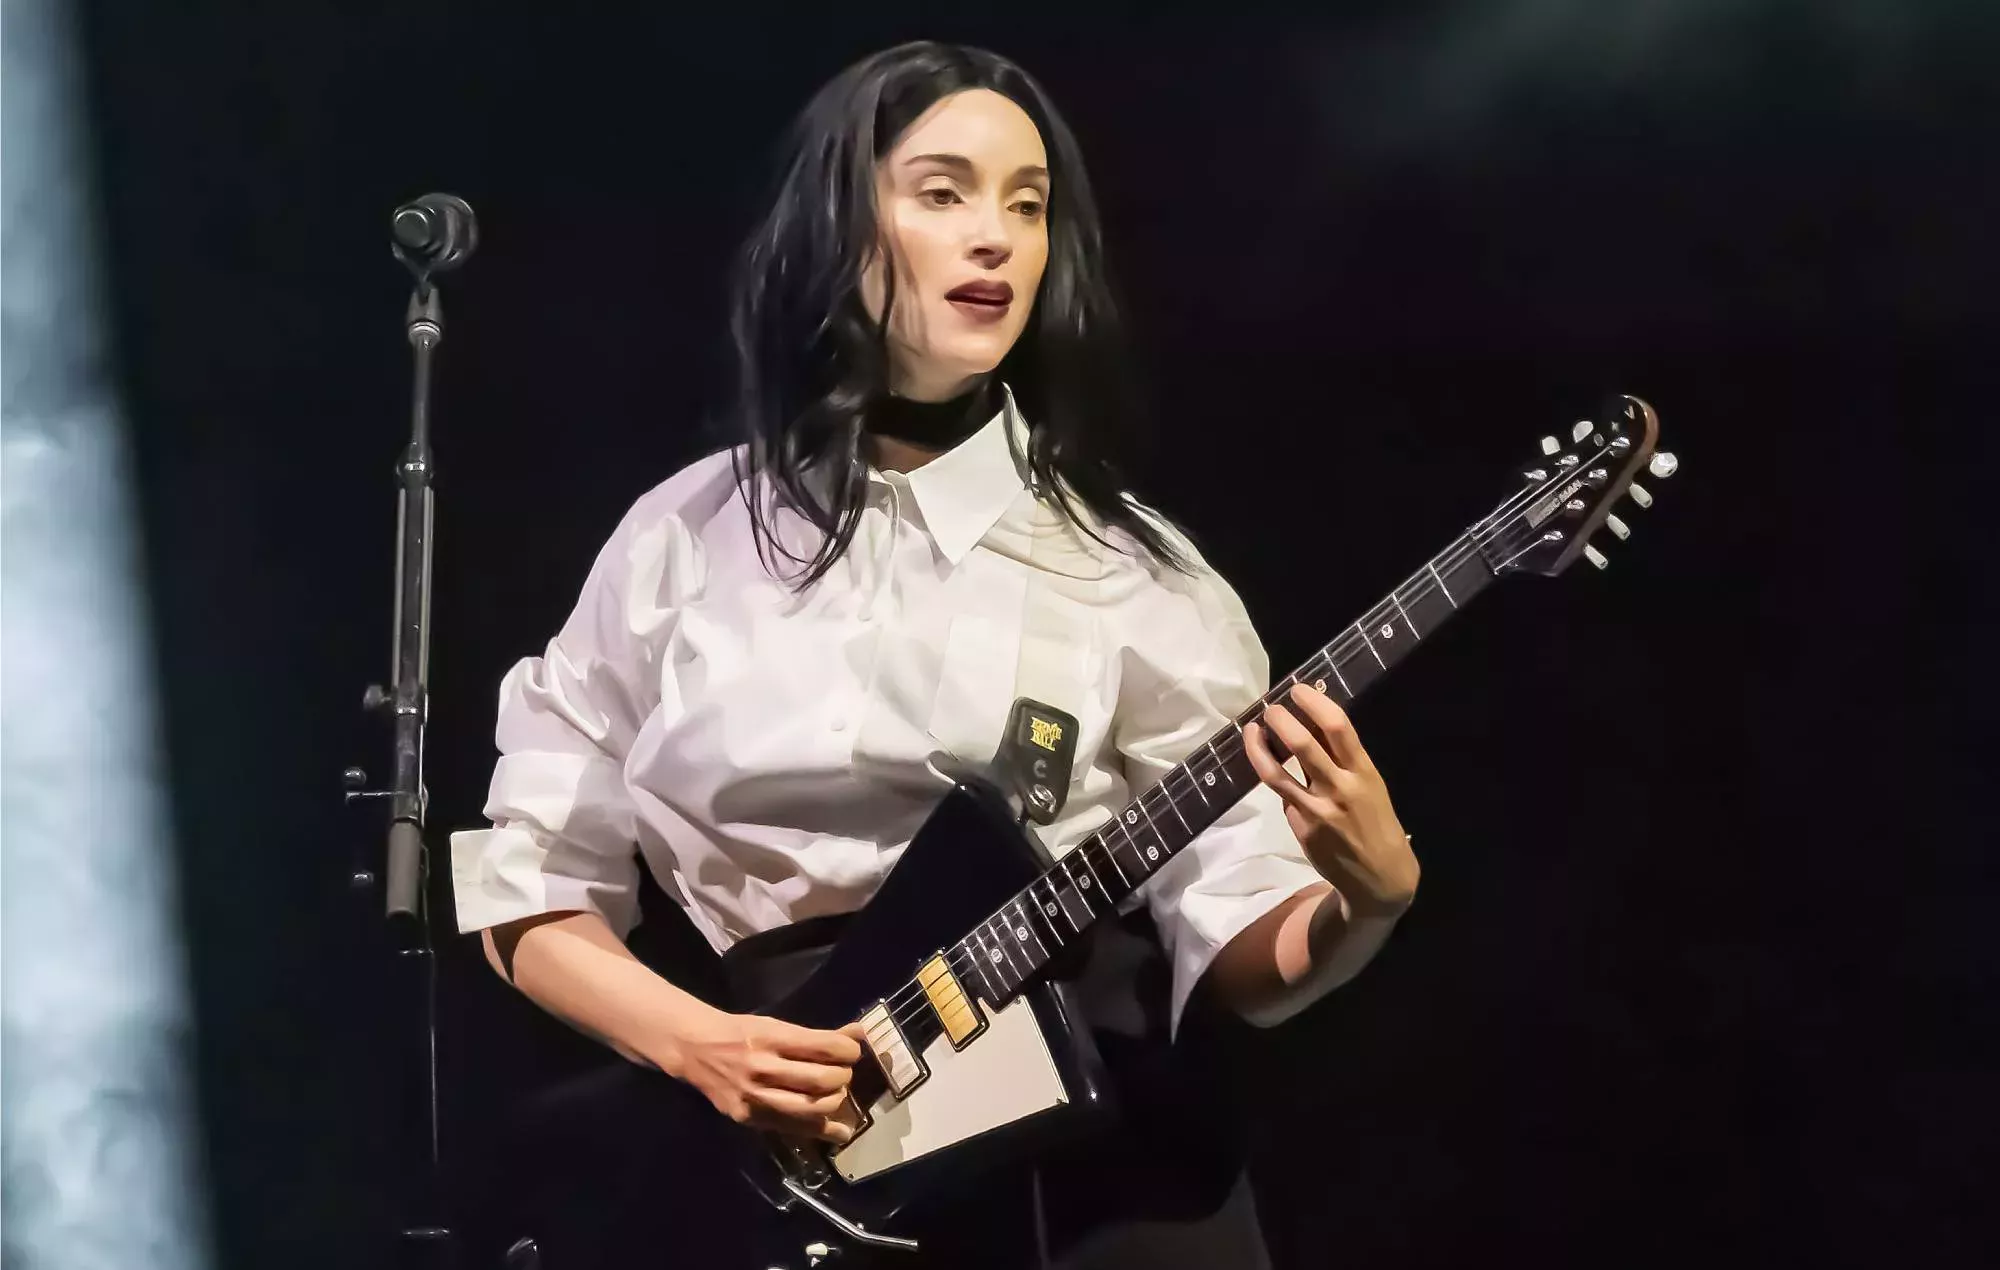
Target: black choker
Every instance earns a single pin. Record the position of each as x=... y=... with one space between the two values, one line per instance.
x=935 y=425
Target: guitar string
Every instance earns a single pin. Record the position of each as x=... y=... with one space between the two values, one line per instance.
x=910 y=1004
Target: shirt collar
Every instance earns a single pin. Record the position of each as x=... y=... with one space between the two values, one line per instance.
x=963 y=492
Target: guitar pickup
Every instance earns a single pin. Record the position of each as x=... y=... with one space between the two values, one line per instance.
x=900 y=1065
x=948 y=1000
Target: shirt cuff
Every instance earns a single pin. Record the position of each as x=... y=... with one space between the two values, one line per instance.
x=1220 y=908
x=509 y=872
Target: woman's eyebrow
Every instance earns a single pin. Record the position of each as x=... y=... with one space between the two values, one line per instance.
x=959 y=163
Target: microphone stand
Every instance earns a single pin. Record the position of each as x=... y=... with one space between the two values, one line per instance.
x=434 y=234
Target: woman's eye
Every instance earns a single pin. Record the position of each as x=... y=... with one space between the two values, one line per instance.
x=939 y=196
x=1030 y=208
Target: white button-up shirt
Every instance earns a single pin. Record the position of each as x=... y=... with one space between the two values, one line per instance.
x=770 y=751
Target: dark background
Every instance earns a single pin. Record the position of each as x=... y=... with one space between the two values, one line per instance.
x=1701 y=957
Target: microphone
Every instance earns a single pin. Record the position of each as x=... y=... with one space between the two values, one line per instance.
x=435 y=233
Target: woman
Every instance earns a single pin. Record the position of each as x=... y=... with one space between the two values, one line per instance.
x=780 y=640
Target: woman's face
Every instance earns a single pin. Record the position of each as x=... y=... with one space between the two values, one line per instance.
x=963 y=202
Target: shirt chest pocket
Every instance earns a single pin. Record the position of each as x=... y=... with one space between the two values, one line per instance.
x=1009 y=638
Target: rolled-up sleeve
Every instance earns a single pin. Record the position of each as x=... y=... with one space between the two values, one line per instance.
x=1192 y=666
x=564 y=830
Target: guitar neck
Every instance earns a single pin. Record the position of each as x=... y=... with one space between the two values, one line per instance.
x=1010 y=947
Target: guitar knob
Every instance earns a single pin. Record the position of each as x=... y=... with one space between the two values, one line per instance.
x=1581 y=430
x=1663 y=465
x=1550 y=445
x=1639 y=494
x=1595 y=556
x=1617 y=526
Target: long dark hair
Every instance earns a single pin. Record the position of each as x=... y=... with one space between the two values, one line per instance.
x=809 y=359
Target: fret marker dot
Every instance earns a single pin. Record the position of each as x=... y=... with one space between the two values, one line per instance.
x=1131 y=817
x=1388 y=630
x=1021 y=933
x=1050 y=908
x=1208 y=778
x=1152 y=853
x=1083 y=884
x=994 y=956
x=1319 y=685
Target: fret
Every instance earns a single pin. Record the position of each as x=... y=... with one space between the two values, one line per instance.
x=1175 y=807
x=1152 y=825
x=1071 y=896
x=1003 y=939
x=1432 y=566
x=1218 y=771
x=1398 y=602
x=1148 y=857
x=1334 y=666
x=1391 y=631
x=1426 y=603
x=1093 y=875
x=1026 y=930
x=1138 y=854
x=1194 y=778
x=1371 y=646
x=1352 y=665
x=1053 y=905
x=976 y=955
x=1112 y=856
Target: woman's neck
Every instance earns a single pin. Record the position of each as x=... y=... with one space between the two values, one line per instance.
x=905 y=434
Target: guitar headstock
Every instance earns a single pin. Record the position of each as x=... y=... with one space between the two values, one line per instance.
x=1573 y=487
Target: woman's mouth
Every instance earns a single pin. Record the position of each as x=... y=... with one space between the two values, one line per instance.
x=982 y=301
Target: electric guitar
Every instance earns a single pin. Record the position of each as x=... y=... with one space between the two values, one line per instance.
x=974 y=1050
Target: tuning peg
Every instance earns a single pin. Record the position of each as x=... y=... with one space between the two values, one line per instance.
x=1639 y=494
x=1550 y=445
x=1663 y=465
x=1581 y=430
x=1617 y=527
x=1595 y=556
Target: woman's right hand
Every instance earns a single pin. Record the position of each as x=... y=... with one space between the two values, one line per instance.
x=770 y=1074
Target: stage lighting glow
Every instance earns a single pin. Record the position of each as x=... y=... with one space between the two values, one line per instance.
x=99 y=1150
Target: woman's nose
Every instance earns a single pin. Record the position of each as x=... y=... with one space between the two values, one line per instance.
x=991 y=242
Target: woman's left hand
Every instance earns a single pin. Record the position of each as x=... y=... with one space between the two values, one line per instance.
x=1341 y=814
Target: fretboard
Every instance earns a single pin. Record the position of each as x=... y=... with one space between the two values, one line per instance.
x=1013 y=945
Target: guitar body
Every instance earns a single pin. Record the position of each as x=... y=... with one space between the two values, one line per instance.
x=1028 y=1077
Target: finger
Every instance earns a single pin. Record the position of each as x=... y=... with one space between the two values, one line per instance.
x=1273 y=773
x=821 y=1129
x=1333 y=727
x=815 y=1079
x=795 y=1113
x=1305 y=747
x=817 y=1046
